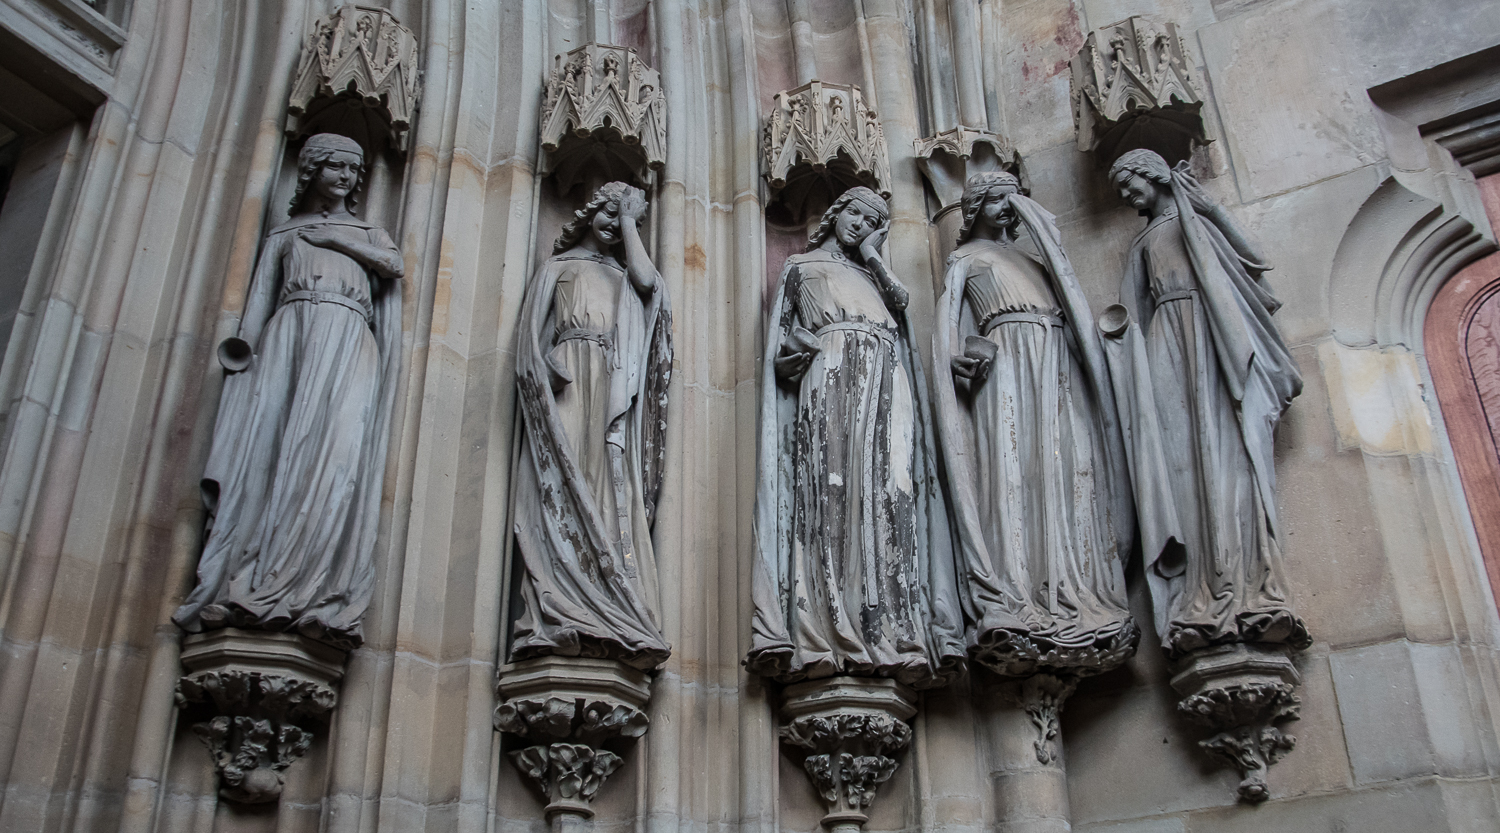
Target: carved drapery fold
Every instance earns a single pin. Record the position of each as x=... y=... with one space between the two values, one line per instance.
x=1132 y=87
x=603 y=114
x=359 y=76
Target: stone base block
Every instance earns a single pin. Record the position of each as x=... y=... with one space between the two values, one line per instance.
x=263 y=695
x=854 y=729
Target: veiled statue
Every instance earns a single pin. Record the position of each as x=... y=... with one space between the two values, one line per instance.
x=593 y=361
x=1036 y=467
x=1202 y=382
x=854 y=570
x=294 y=475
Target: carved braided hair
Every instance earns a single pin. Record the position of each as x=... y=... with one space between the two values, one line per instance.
x=1147 y=163
x=977 y=191
x=864 y=196
x=319 y=149
x=584 y=217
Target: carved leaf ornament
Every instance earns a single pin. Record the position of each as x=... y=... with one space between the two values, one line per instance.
x=358 y=54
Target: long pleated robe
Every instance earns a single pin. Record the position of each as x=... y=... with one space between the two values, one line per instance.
x=854 y=572
x=1036 y=467
x=590 y=463
x=1207 y=377
x=295 y=472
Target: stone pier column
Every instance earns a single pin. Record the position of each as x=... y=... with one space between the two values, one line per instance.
x=1027 y=768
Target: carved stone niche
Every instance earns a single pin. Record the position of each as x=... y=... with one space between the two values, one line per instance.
x=853 y=728
x=263 y=696
x=1241 y=692
x=358 y=77
x=1136 y=91
x=819 y=141
x=604 y=116
x=569 y=709
x=948 y=159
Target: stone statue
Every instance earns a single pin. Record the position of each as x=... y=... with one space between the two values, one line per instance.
x=854 y=572
x=1038 y=481
x=1201 y=383
x=593 y=361
x=294 y=476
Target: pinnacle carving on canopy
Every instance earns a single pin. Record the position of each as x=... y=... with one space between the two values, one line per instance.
x=603 y=106
x=360 y=65
x=820 y=140
x=1132 y=87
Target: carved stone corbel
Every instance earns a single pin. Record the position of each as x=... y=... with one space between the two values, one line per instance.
x=819 y=141
x=358 y=77
x=568 y=709
x=855 y=729
x=263 y=695
x=1241 y=692
x=604 y=115
x=1132 y=87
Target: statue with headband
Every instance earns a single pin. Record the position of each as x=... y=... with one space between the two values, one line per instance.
x=294 y=475
x=1037 y=471
x=853 y=570
x=593 y=362
x=1203 y=376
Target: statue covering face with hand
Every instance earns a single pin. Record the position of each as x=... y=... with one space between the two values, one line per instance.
x=594 y=359
x=853 y=571
x=1038 y=480
x=293 y=481
x=1202 y=381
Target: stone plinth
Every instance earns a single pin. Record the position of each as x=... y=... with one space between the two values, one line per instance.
x=603 y=116
x=358 y=77
x=1241 y=691
x=1133 y=88
x=854 y=729
x=263 y=694
x=819 y=141
x=569 y=708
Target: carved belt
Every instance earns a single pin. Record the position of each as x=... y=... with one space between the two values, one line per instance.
x=327 y=298
x=1179 y=295
x=878 y=330
x=1041 y=319
x=605 y=340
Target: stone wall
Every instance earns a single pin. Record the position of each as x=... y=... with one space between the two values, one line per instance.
x=109 y=390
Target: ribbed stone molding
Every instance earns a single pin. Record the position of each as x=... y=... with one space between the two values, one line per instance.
x=1133 y=88
x=819 y=141
x=603 y=115
x=263 y=696
x=854 y=729
x=569 y=709
x=358 y=77
x=1241 y=691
